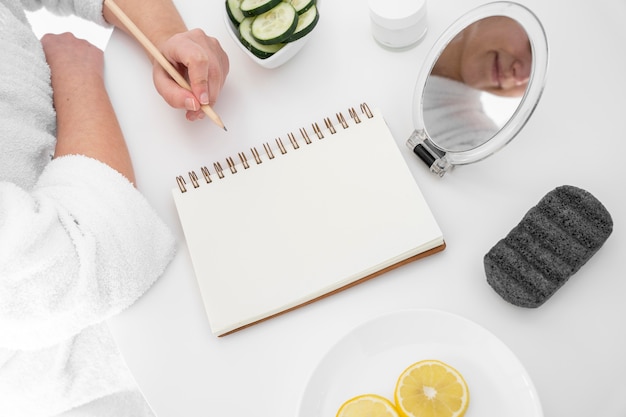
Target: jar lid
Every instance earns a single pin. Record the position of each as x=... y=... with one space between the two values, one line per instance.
x=397 y=14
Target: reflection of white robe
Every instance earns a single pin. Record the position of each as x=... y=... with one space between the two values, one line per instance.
x=454 y=116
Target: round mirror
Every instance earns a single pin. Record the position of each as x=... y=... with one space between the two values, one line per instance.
x=481 y=82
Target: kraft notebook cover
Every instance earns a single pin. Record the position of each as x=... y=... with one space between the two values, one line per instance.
x=290 y=222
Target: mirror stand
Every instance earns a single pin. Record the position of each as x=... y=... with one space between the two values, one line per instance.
x=432 y=156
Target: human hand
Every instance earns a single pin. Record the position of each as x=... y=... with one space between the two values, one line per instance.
x=200 y=59
x=72 y=57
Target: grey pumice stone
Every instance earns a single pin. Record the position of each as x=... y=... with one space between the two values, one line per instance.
x=550 y=244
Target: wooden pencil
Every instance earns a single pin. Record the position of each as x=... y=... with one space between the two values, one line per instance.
x=158 y=56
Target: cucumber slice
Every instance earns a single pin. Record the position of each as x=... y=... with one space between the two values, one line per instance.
x=246 y=38
x=233 y=9
x=306 y=22
x=302 y=6
x=251 y=8
x=276 y=25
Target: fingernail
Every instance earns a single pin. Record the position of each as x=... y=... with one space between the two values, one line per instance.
x=190 y=104
x=204 y=98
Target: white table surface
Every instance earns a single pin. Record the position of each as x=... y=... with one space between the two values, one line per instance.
x=572 y=347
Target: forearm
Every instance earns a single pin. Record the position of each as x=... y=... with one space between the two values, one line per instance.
x=157 y=19
x=86 y=122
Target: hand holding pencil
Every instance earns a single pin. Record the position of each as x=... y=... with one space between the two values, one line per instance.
x=199 y=57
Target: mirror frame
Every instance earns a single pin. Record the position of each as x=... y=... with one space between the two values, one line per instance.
x=442 y=159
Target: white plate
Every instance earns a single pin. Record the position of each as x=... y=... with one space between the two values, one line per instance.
x=370 y=358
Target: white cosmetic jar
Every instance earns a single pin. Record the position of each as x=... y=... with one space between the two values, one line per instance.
x=398 y=23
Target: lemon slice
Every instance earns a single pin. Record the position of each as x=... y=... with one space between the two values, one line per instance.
x=431 y=388
x=367 y=405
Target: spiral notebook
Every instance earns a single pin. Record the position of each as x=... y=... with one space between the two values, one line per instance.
x=299 y=218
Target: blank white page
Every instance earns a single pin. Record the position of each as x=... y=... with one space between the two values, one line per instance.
x=301 y=225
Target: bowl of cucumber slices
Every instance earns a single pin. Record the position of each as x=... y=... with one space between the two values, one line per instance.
x=271 y=32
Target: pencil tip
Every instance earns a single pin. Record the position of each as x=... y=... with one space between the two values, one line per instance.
x=226 y=130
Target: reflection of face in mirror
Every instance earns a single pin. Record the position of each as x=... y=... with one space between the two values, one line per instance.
x=477 y=83
x=492 y=54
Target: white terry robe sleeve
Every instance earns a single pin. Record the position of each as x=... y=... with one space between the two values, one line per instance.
x=80 y=247
x=87 y=9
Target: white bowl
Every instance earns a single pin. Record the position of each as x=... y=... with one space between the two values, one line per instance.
x=279 y=58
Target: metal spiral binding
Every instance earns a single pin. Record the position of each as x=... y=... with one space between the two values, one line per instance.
x=268 y=150
x=232 y=165
x=293 y=140
x=305 y=136
x=330 y=126
x=181 y=184
x=257 y=157
x=194 y=179
x=281 y=147
x=218 y=169
x=206 y=175
x=366 y=110
x=318 y=131
x=342 y=120
x=354 y=115
x=244 y=160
